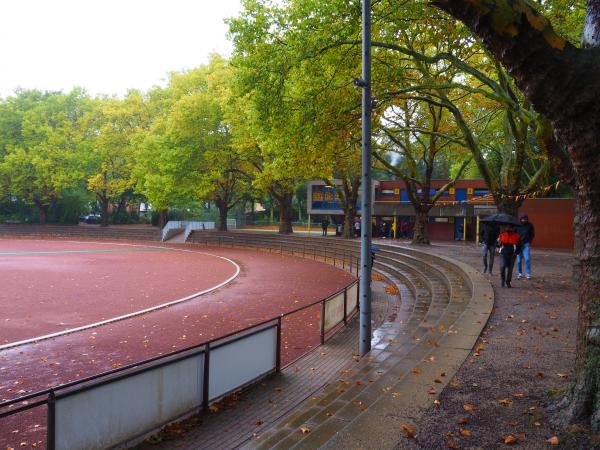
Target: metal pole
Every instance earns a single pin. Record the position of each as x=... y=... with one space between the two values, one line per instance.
x=206 y=378
x=322 y=322
x=477 y=232
x=365 y=242
x=278 y=350
x=51 y=418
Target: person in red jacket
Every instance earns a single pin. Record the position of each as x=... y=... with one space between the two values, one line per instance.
x=507 y=241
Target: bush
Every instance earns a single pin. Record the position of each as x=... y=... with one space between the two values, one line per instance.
x=70 y=206
x=123 y=217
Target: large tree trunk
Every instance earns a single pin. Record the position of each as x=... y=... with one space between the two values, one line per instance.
x=117 y=215
x=584 y=399
x=223 y=210
x=285 y=212
x=43 y=210
x=162 y=218
x=103 y=212
x=562 y=83
x=349 y=214
x=591 y=26
x=508 y=206
x=420 y=234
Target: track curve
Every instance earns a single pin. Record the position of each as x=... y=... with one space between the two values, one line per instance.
x=53 y=288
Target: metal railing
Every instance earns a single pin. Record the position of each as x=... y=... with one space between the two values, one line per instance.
x=118 y=405
x=341 y=254
x=185 y=226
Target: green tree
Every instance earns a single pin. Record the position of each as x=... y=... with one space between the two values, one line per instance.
x=40 y=145
x=188 y=153
x=413 y=132
x=111 y=127
x=277 y=100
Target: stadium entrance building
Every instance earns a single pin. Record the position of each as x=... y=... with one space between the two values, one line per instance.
x=454 y=217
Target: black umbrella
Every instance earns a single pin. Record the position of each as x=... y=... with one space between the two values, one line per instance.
x=501 y=219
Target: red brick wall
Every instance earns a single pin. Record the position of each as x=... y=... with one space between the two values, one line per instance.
x=553 y=221
x=441 y=231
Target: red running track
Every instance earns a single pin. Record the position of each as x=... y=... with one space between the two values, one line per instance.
x=53 y=286
x=268 y=285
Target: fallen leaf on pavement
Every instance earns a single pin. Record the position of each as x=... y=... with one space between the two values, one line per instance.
x=553 y=441
x=408 y=431
x=464 y=432
x=510 y=440
x=468 y=407
x=305 y=430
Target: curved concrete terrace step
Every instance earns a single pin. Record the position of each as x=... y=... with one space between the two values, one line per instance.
x=305 y=245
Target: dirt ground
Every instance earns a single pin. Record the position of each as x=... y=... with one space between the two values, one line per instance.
x=503 y=394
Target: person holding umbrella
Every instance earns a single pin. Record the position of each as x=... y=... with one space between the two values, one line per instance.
x=507 y=241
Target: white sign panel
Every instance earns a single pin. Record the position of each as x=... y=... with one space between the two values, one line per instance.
x=241 y=361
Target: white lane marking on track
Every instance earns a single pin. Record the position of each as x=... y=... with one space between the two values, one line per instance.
x=136 y=313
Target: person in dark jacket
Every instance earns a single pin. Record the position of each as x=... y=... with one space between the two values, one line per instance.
x=488 y=236
x=527 y=233
x=324 y=225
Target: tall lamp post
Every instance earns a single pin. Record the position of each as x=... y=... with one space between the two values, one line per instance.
x=366 y=202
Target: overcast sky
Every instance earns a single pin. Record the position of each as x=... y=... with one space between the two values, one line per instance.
x=106 y=46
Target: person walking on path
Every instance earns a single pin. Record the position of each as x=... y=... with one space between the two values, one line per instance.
x=507 y=241
x=488 y=237
x=527 y=233
x=356 y=227
x=324 y=225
